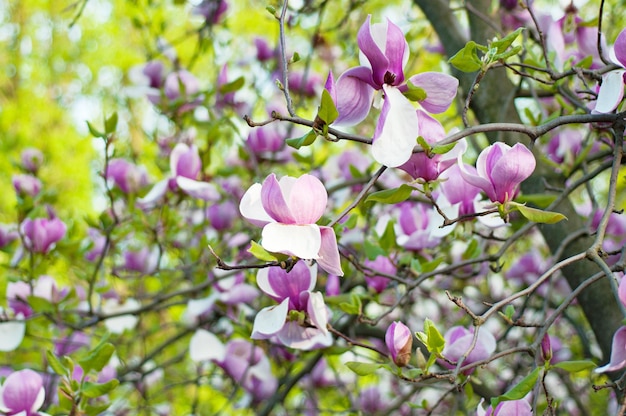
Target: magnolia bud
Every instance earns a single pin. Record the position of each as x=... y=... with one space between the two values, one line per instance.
x=546 y=348
x=399 y=340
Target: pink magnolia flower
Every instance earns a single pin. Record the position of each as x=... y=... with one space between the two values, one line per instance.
x=500 y=170
x=381 y=264
x=212 y=10
x=26 y=185
x=399 y=341
x=612 y=89
x=185 y=166
x=41 y=234
x=32 y=159
x=127 y=176
x=384 y=53
x=288 y=211
x=458 y=192
x=8 y=234
x=293 y=291
x=22 y=394
x=618 y=347
x=458 y=342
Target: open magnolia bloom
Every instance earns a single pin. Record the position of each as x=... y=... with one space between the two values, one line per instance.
x=22 y=393
x=384 y=54
x=294 y=292
x=288 y=211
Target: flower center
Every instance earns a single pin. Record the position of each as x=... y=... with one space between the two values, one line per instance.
x=389 y=78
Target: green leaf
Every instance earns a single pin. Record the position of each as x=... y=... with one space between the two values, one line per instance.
x=431 y=338
x=327 y=110
x=354 y=307
x=305 y=140
x=391 y=196
x=94 y=131
x=429 y=266
x=443 y=148
x=110 y=124
x=232 y=86
x=55 y=364
x=92 y=390
x=509 y=311
x=467 y=59
x=541 y=200
x=388 y=240
x=575 y=366
x=260 y=253
x=372 y=251
x=503 y=44
x=415 y=93
x=505 y=55
x=416 y=266
x=40 y=305
x=97 y=409
x=537 y=215
x=520 y=390
x=425 y=145
x=98 y=358
x=363 y=369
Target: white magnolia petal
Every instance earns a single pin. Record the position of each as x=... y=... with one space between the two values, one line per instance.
x=270 y=320
x=205 y=346
x=251 y=207
x=11 y=335
x=196 y=307
x=302 y=241
x=119 y=324
x=156 y=193
x=396 y=139
x=197 y=189
x=611 y=92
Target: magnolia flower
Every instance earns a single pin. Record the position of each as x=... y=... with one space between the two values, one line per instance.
x=500 y=170
x=22 y=394
x=41 y=234
x=399 y=341
x=381 y=264
x=418 y=226
x=26 y=185
x=12 y=331
x=294 y=292
x=127 y=176
x=245 y=363
x=612 y=88
x=458 y=192
x=31 y=159
x=459 y=341
x=288 y=211
x=384 y=53
x=185 y=166
x=618 y=347
x=8 y=234
x=120 y=321
x=212 y=10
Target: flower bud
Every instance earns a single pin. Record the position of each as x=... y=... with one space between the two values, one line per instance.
x=26 y=185
x=546 y=348
x=31 y=159
x=399 y=341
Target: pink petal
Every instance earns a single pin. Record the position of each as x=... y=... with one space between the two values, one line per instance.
x=396 y=51
x=372 y=51
x=251 y=206
x=317 y=311
x=329 y=259
x=22 y=391
x=307 y=199
x=440 y=90
x=611 y=92
x=270 y=320
x=302 y=241
x=295 y=336
x=280 y=284
x=274 y=201
x=396 y=131
x=512 y=169
x=354 y=96
x=621 y=291
x=618 y=353
x=154 y=195
x=620 y=47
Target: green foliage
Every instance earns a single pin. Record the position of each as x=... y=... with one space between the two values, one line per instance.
x=520 y=390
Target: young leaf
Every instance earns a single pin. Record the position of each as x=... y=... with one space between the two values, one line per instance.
x=391 y=196
x=431 y=338
x=388 y=240
x=55 y=364
x=98 y=358
x=537 y=215
x=94 y=131
x=110 y=124
x=372 y=251
x=503 y=44
x=305 y=140
x=575 y=366
x=415 y=93
x=520 y=390
x=327 y=110
x=232 y=86
x=92 y=390
x=467 y=59
x=363 y=369
x=443 y=149
x=260 y=253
